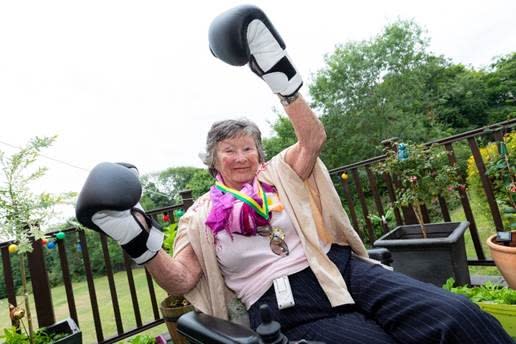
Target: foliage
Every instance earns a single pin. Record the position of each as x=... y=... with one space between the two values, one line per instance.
x=488 y=153
x=460 y=97
x=162 y=188
x=377 y=89
x=423 y=173
x=171 y=231
x=170 y=235
x=501 y=89
x=200 y=183
x=378 y=221
x=500 y=170
x=501 y=173
x=488 y=292
x=142 y=339
x=354 y=69
x=11 y=336
x=22 y=213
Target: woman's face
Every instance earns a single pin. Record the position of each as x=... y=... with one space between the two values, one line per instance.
x=237 y=160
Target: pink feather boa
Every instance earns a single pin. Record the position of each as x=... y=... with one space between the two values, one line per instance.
x=234 y=216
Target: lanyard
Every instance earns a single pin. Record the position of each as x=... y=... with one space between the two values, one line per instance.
x=262 y=210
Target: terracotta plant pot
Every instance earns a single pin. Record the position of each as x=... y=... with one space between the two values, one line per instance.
x=172 y=307
x=505 y=258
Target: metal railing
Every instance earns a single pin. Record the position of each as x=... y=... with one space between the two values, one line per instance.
x=42 y=292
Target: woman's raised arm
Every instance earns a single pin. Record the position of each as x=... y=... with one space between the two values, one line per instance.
x=310 y=135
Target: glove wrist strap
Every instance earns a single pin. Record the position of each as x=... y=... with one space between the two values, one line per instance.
x=287 y=100
x=146 y=245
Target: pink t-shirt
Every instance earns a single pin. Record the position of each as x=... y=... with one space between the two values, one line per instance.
x=248 y=264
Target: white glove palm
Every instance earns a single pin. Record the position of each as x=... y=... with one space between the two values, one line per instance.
x=270 y=61
x=129 y=232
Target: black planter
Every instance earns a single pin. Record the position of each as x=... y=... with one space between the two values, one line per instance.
x=435 y=259
x=68 y=326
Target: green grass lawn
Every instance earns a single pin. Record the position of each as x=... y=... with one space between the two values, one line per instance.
x=82 y=302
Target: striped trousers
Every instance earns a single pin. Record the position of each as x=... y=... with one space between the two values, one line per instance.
x=389 y=308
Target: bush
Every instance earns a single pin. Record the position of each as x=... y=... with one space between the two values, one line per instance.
x=500 y=170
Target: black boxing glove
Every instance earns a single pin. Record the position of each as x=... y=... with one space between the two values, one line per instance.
x=244 y=34
x=108 y=203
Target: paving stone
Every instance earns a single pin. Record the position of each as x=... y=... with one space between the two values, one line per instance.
x=481 y=279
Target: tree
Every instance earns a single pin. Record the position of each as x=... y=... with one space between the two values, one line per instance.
x=162 y=188
x=23 y=214
x=200 y=183
x=354 y=69
x=373 y=90
x=447 y=94
x=501 y=89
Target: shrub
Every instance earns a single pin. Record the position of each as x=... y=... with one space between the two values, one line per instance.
x=500 y=170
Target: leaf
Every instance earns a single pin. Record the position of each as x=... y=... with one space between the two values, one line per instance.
x=488 y=292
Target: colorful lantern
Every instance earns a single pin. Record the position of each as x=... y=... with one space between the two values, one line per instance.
x=402 y=152
x=178 y=213
x=13 y=248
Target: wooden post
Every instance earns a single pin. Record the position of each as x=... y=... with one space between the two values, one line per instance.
x=186 y=196
x=40 y=286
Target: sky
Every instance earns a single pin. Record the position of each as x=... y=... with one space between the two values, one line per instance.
x=134 y=81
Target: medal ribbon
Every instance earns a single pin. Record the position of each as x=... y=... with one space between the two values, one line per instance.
x=262 y=210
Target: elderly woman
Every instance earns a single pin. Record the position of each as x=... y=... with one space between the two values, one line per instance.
x=275 y=232
x=263 y=221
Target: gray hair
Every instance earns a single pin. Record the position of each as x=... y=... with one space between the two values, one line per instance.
x=229 y=129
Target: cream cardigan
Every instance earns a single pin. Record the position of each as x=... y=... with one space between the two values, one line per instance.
x=315 y=210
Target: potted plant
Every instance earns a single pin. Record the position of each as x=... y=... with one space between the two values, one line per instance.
x=428 y=252
x=172 y=307
x=23 y=216
x=500 y=169
x=142 y=339
x=65 y=332
x=497 y=300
